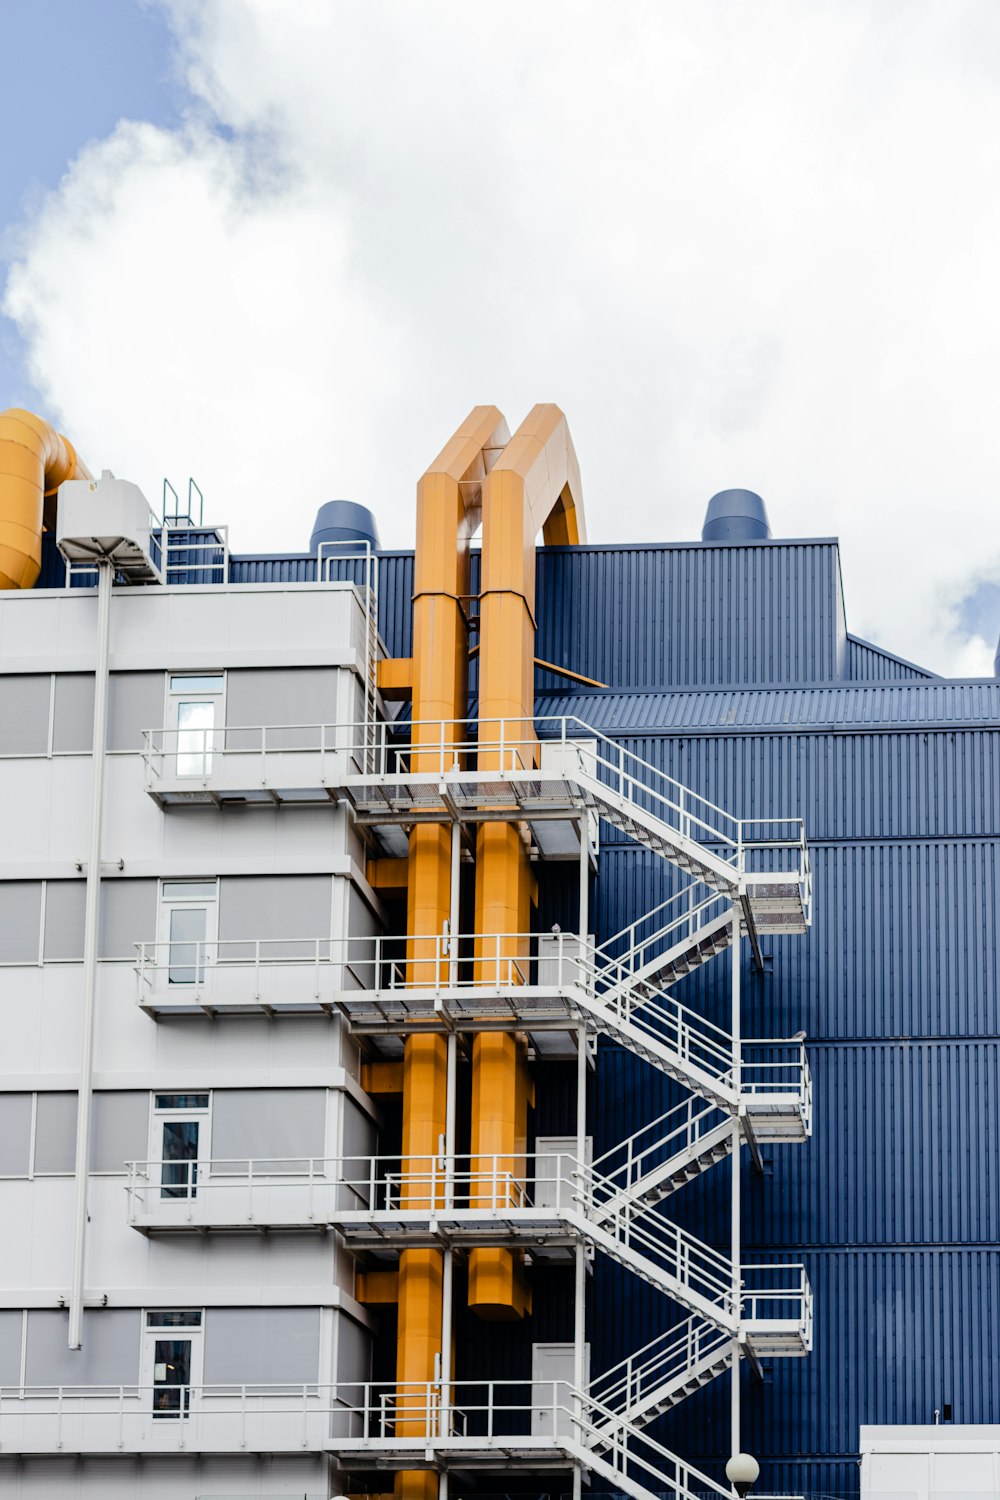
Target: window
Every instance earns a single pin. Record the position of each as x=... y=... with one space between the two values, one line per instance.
x=188 y=928
x=194 y=714
x=180 y=1141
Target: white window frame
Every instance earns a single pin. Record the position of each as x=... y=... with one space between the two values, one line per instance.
x=167 y=904
x=215 y=740
x=158 y=1114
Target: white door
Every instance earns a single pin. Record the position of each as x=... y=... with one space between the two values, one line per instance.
x=188 y=929
x=171 y=1360
x=180 y=1143
x=195 y=719
x=557 y=1183
x=552 y=1402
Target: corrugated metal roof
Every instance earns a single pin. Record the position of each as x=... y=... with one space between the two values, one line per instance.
x=813 y=709
x=868 y=663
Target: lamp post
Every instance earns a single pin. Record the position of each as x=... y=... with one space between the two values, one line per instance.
x=742 y=1471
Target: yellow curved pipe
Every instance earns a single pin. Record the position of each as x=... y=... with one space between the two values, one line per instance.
x=533 y=486
x=34 y=461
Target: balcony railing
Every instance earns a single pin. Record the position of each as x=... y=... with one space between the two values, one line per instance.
x=276 y=1418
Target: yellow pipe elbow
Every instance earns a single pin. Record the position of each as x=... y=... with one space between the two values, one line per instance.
x=34 y=461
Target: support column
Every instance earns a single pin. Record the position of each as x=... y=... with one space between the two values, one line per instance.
x=91 y=927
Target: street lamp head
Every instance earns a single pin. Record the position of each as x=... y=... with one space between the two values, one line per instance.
x=742 y=1471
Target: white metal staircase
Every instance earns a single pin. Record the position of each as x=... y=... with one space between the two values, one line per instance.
x=742 y=878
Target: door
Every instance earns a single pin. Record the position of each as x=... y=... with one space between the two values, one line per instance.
x=552 y=1402
x=180 y=1142
x=188 y=928
x=171 y=1363
x=195 y=714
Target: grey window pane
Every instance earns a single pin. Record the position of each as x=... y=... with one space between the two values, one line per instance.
x=55 y=1132
x=24 y=715
x=15 y=1134
x=110 y=1353
x=261 y=1345
x=295 y=908
x=119 y=1130
x=11 y=1322
x=135 y=704
x=73 y=715
x=189 y=890
x=64 y=904
x=20 y=915
x=289 y=1124
x=358 y=1131
x=128 y=916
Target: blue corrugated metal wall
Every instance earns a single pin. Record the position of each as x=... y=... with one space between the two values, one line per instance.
x=895 y=1203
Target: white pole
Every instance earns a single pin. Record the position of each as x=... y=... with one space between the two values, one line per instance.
x=734 y=1409
x=92 y=912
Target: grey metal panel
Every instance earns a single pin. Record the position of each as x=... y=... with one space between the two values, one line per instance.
x=135 y=703
x=354 y=1350
x=110 y=1353
x=120 y=1129
x=64 y=908
x=24 y=715
x=288 y=1124
x=15 y=1134
x=261 y=1345
x=11 y=1328
x=297 y=696
x=55 y=1132
x=20 y=916
x=295 y=907
x=73 y=712
x=358 y=1132
x=128 y=916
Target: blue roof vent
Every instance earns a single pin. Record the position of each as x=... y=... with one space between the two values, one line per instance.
x=344 y=521
x=736 y=516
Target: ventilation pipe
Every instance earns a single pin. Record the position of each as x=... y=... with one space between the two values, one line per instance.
x=343 y=521
x=34 y=461
x=736 y=516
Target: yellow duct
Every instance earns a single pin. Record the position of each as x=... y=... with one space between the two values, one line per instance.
x=449 y=504
x=34 y=461
x=533 y=486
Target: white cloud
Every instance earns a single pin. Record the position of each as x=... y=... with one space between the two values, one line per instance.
x=739 y=245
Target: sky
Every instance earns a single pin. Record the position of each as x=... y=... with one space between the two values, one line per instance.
x=284 y=247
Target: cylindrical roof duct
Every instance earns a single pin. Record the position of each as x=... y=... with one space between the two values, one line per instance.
x=736 y=516
x=344 y=521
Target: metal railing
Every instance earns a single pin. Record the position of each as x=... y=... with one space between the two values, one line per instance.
x=220 y=1418
x=463 y=1414
x=649 y=1375
x=675 y=1134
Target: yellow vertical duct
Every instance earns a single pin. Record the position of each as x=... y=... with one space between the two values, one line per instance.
x=34 y=461
x=449 y=504
x=534 y=486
